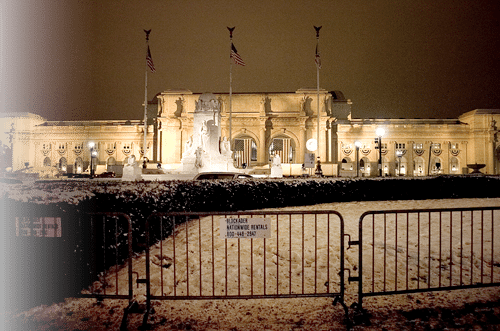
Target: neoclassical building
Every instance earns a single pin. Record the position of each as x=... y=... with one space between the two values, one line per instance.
x=262 y=125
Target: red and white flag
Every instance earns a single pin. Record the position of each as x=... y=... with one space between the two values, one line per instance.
x=149 y=61
x=317 y=59
x=235 y=56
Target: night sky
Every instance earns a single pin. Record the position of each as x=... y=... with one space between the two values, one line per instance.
x=70 y=60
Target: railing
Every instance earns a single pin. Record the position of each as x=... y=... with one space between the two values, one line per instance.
x=107 y=253
x=257 y=255
x=224 y=256
x=408 y=251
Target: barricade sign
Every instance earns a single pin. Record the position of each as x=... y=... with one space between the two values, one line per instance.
x=38 y=227
x=245 y=228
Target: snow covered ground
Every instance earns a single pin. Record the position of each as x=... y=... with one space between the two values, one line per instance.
x=389 y=312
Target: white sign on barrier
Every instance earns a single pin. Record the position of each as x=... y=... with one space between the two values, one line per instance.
x=309 y=160
x=245 y=228
x=38 y=227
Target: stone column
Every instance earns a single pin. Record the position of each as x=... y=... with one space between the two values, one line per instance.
x=261 y=151
x=303 y=140
x=409 y=157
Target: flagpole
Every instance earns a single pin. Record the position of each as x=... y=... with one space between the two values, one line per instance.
x=230 y=86
x=317 y=87
x=146 y=97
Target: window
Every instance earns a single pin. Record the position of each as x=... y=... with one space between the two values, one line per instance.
x=400 y=146
x=418 y=146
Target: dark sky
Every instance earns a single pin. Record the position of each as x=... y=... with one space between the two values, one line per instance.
x=69 y=60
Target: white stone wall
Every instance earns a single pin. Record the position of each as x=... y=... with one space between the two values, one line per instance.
x=453 y=143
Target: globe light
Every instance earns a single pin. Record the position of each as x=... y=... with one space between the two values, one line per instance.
x=357 y=143
x=380 y=132
x=312 y=145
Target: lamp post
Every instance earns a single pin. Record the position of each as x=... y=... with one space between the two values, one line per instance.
x=93 y=153
x=380 y=132
x=358 y=145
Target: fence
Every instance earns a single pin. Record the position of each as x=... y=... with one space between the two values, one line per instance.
x=258 y=255
x=110 y=245
x=261 y=255
x=427 y=250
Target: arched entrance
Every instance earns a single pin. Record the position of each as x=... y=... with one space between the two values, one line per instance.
x=283 y=146
x=454 y=165
x=347 y=164
x=418 y=166
x=364 y=167
x=78 y=165
x=46 y=162
x=436 y=166
x=245 y=152
x=401 y=166
x=63 y=164
x=110 y=164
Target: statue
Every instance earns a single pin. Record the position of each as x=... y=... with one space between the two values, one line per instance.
x=131 y=161
x=204 y=135
x=199 y=160
x=131 y=171
x=188 y=146
x=225 y=146
x=206 y=150
x=207 y=102
x=276 y=170
x=276 y=160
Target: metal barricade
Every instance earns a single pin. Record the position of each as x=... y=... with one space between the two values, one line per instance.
x=244 y=255
x=110 y=246
x=409 y=251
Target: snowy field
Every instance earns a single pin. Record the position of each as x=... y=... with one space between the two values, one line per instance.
x=311 y=266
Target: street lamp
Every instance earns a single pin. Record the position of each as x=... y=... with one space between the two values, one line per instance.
x=358 y=145
x=380 y=132
x=93 y=153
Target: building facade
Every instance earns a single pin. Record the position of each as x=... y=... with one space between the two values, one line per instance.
x=262 y=125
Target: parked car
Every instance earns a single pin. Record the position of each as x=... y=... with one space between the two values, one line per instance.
x=221 y=175
x=108 y=174
x=79 y=176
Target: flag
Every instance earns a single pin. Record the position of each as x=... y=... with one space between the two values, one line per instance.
x=317 y=58
x=235 y=56
x=149 y=61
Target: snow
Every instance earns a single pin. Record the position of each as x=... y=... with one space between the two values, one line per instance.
x=278 y=314
x=289 y=272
